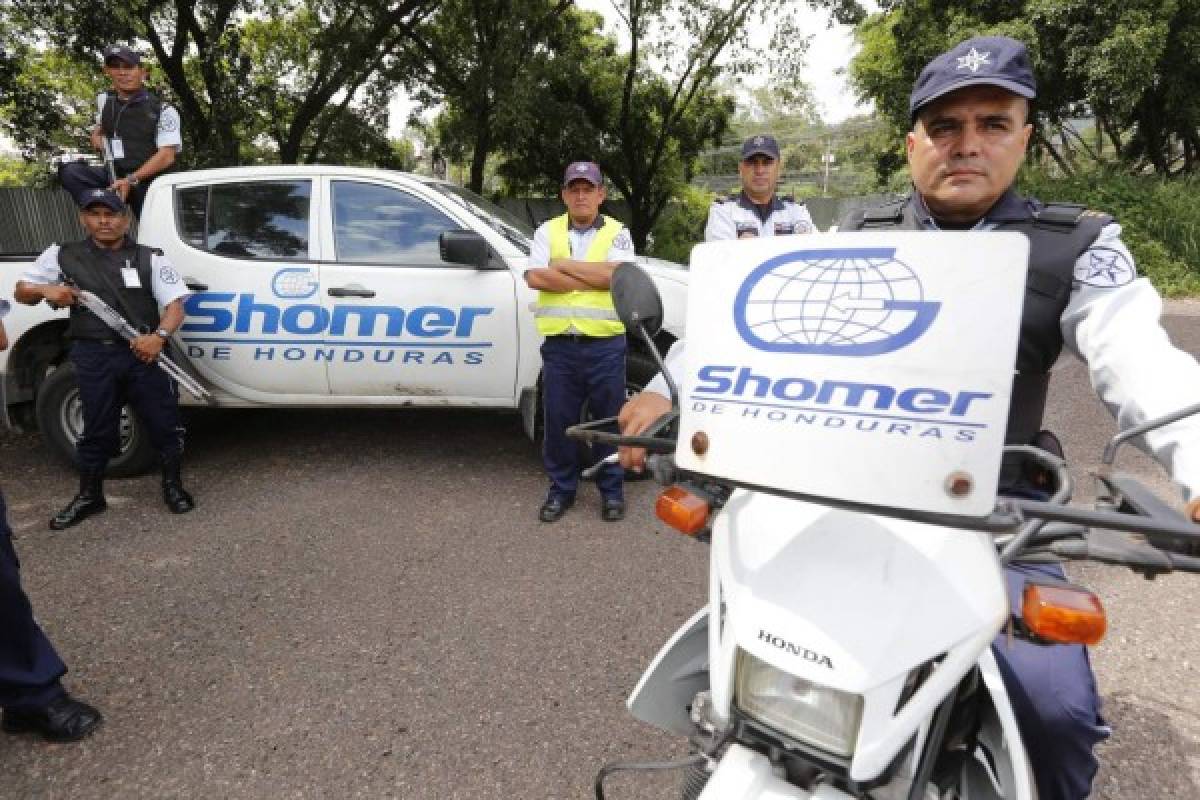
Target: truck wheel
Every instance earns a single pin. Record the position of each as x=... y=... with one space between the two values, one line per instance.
x=60 y=419
x=640 y=369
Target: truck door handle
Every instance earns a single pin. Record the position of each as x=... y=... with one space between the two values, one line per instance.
x=351 y=291
x=197 y=287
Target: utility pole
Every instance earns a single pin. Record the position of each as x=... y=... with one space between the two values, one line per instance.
x=828 y=159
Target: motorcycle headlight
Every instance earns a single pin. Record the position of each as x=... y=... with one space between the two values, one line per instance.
x=805 y=711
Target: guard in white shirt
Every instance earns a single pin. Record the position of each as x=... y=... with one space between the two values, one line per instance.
x=970 y=109
x=136 y=281
x=757 y=210
x=141 y=133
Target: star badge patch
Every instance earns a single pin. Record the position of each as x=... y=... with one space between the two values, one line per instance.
x=1105 y=268
x=974 y=60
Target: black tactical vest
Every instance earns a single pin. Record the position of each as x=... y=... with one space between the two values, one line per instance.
x=89 y=269
x=1058 y=235
x=135 y=123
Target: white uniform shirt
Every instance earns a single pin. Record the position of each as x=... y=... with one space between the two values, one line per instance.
x=581 y=240
x=166 y=135
x=1111 y=323
x=168 y=284
x=738 y=218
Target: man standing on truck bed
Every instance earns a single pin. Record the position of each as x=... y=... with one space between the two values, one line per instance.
x=142 y=133
x=583 y=356
x=136 y=281
x=31 y=692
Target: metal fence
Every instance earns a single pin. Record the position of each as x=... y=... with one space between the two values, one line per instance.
x=33 y=219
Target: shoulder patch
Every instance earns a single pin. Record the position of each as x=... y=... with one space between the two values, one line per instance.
x=1104 y=268
x=623 y=241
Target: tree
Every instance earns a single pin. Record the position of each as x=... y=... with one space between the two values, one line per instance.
x=645 y=115
x=477 y=57
x=1130 y=64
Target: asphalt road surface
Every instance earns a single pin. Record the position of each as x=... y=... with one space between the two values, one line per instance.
x=364 y=605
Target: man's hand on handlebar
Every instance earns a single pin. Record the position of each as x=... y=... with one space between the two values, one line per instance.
x=642 y=411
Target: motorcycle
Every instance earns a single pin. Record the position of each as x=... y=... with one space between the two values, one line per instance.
x=845 y=649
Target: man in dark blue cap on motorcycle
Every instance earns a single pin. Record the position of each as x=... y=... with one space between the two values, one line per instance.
x=970 y=110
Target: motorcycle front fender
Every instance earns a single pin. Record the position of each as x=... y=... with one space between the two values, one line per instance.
x=680 y=670
x=743 y=774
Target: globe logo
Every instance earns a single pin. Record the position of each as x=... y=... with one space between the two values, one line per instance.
x=294 y=282
x=843 y=302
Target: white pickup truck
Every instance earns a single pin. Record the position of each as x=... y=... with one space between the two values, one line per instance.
x=322 y=286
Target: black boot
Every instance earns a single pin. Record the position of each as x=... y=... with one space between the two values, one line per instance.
x=174 y=495
x=89 y=501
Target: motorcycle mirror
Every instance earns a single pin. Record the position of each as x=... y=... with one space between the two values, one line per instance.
x=636 y=299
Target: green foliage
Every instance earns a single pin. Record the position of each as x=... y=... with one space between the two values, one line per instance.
x=1160 y=218
x=19 y=173
x=681 y=225
x=1131 y=64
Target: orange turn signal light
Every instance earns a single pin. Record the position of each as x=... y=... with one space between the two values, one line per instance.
x=1063 y=614
x=682 y=510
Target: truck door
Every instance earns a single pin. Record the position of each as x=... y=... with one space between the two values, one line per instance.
x=255 y=323
x=403 y=323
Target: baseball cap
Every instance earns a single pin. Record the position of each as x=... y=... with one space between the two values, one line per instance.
x=103 y=197
x=761 y=145
x=121 y=53
x=979 y=61
x=583 y=171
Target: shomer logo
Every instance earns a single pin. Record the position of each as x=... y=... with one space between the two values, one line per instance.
x=843 y=301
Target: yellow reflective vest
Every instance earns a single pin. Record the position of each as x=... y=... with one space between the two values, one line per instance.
x=591 y=311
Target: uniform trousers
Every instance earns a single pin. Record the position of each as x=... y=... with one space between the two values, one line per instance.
x=578 y=370
x=78 y=177
x=29 y=668
x=109 y=375
x=1053 y=694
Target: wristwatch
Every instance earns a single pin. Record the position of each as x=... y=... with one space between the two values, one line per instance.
x=163 y=333
x=132 y=180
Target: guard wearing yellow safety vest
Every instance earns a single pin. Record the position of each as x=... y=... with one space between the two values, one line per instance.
x=583 y=355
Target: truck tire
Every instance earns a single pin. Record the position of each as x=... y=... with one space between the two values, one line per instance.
x=60 y=419
x=640 y=368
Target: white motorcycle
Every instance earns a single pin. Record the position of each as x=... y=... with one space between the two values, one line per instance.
x=845 y=652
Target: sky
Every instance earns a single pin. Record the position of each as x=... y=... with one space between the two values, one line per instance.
x=829 y=51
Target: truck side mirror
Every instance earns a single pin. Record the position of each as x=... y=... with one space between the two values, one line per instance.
x=636 y=299
x=464 y=247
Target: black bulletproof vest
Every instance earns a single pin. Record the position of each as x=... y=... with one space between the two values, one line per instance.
x=1058 y=234
x=88 y=269
x=135 y=123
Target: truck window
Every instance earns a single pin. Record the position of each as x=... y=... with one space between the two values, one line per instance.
x=255 y=219
x=375 y=224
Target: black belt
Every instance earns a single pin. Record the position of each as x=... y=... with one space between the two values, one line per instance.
x=108 y=341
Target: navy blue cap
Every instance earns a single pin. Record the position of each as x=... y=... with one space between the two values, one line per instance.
x=583 y=171
x=101 y=197
x=761 y=145
x=981 y=61
x=122 y=53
